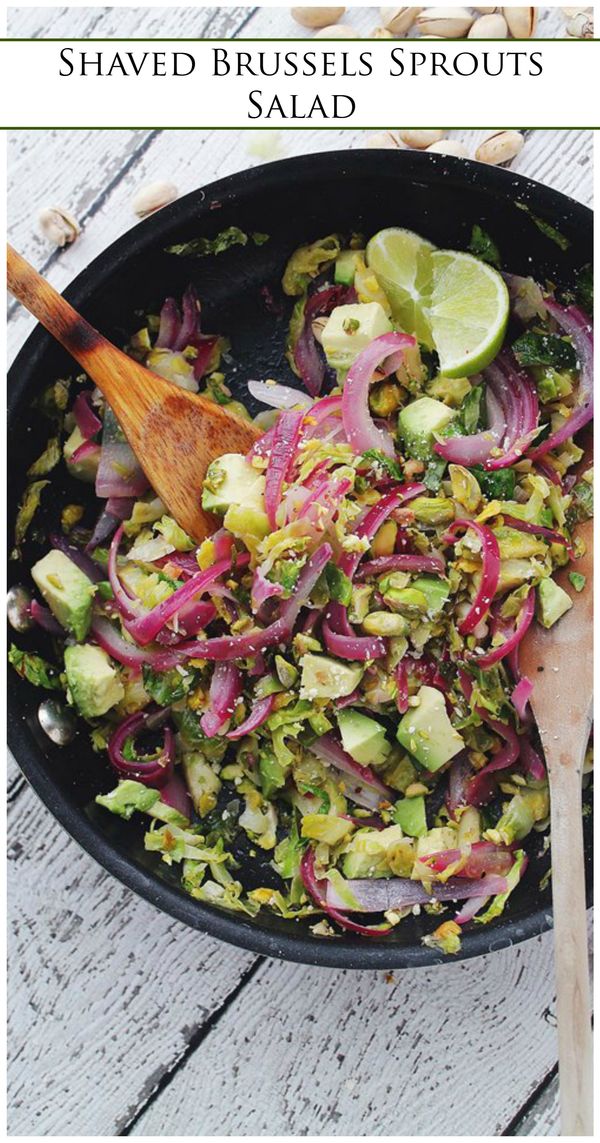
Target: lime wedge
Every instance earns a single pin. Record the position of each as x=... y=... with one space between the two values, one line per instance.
x=467 y=312
x=401 y=262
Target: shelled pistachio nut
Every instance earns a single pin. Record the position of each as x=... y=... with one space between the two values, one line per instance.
x=381 y=34
x=58 y=226
x=421 y=138
x=500 y=148
x=153 y=196
x=449 y=147
x=521 y=22
x=398 y=20
x=317 y=17
x=491 y=27
x=449 y=23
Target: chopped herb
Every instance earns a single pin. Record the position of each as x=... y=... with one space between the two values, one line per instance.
x=544 y=349
x=578 y=580
x=202 y=247
x=33 y=668
x=484 y=247
x=340 y=587
x=495 y=485
x=166 y=687
x=380 y=460
x=470 y=410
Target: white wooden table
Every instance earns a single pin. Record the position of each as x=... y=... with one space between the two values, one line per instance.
x=125 y=1022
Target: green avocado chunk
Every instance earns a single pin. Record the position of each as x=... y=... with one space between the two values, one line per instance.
x=417 y=424
x=323 y=677
x=350 y=329
x=362 y=737
x=426 y=731
x=93 y=682
x=553 y=601
x=435 y=589
x=230 y=479
x=409 y=814
x=67 y=591
x=345 y=267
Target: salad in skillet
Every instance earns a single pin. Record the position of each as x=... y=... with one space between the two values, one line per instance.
x=327 y=690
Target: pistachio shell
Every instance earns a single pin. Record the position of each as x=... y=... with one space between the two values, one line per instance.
x=58 y=226
x=420 y=139
x=399 y=20
x=500 y=148
x=492 y=27
x=581 y=26
x=383 y=139
x=382 y=34
x=317 y=17
x=449 y=147
x=337 y=32
x=153 y=196
x=445 y=22
x=521 y=22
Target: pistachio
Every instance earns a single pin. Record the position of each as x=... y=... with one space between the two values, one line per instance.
x=317 y=17
x=58 y=226
x=337 y=32
x=421 y=139
x=445 y=22
x=450 y=147
x=500 y=148
x=385 y=139
x=399 y=20
x=490 y=27
x=153 y=196
x=384 y=623
x=581 y=26
x=521 y=22
x=381 y=34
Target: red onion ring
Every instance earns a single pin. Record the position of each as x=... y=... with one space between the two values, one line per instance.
x=313 y=884
x=283 y=453
x=225 y=690
x=258 y=715
x=385 y=353
x=524 y=620
x=157 y=771
x=490 y=572
x=574 y=322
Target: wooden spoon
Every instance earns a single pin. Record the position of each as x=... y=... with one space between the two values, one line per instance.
x=559 y=663
x=174 y=433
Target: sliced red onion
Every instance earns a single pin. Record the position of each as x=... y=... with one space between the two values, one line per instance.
x=120 y=507
x=484 y=857
x=532 y=763
x=119 y=473
x=262 y=447
x=470 y=909
x=490 y=572
x=308 y=359
x=575 y=323
x=263 y=589
x=377 y=895
x=524 y=620
x=518 y=398
x=146 y=627
x=107 y=637
x=125 y=601
x=174 y=793
x=476 y=448
x=155 y=772
x=374 y=518
x=401 y=687
x=320 y=889
x=459 y=775
x=549 y=534
x=344 y=643
x=520 y=697
x=352 y=699
x=401 y=561
x=482 y=785
x=279 y=396
x=283 y=452
x=259 y=714
x=86 y=419
x=324 y=500
x=385 y=353
x=225 y=690
x=329 y=750
x=170 y=324
x=228 y=647
x=45 y=619
x=88 y=566
x=85 y=451
x=548 y=471
x=323 y=416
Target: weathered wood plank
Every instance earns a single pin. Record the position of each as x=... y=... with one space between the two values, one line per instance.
x=448 y=1049
x=543 y=1116
x=106 y=992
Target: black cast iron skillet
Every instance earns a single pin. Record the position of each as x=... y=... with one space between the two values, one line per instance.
x=293 y=201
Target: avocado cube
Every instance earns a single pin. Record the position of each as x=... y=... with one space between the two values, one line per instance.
x=350 y=329
x=323 y=677
x=231 y=479
x=93 y=682
x=417 y=424
x=362 y=737
x=67 y=591
x=426 y=731
x=409 y=814
x=87 y=468
x=435 y=589
x=553 y=601
x=345 y=266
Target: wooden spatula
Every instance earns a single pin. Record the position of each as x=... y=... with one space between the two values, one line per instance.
x=559 y=663
x=174 y=434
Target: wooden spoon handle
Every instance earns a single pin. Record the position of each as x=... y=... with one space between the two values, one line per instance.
x=571 y=957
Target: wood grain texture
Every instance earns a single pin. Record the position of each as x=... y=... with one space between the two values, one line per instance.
x=120 y=1016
